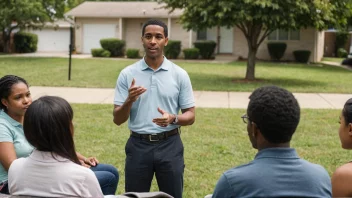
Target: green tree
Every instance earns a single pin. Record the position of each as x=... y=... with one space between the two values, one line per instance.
x=19 y=14
x=73 y=3
x=258 y=18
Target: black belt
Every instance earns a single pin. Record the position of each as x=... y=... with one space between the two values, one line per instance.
x=156 y=136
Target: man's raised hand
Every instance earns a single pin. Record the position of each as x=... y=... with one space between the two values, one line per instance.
x=135 y=91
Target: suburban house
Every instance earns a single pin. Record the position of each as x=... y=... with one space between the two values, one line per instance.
x=96 y=20
x=53 y=37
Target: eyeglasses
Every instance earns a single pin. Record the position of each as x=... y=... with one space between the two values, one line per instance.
x=245 y=118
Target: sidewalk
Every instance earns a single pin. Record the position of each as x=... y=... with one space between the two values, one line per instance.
x=206 y=99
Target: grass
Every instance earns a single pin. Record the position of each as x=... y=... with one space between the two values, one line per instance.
x=103 y=73
x=216 y=142
x=332 y=59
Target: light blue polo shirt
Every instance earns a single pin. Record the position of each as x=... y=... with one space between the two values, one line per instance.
x=12 y=131
x=169 y=87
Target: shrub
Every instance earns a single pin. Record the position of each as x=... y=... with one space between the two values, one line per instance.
x=25 y=42
x=276 y=50
x=342 y=53
x=341 y=40
x=191 y=53
x=132 y=53
x=172 y=49
x=301 y=56
x=115 y=46
x=206 y=48
x=100 y=52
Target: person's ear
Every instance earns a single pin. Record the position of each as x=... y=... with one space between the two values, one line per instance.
x=349 y=129
x=166 y=41
x=255 y=129
x=5 y=102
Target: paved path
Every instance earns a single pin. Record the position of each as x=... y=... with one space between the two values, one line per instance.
x=203 y=98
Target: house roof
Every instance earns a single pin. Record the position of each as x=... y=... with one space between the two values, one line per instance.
x=122 y=9
x=63 y=23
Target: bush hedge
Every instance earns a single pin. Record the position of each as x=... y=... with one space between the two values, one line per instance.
x=115 y=46
x=191 y=53
x=25 y=42
x=132 y=53
x=206 y=48
x=172 y=49
x=276 y=50
x=100 y=52
x=301 y=56
x=341 y=40
x=342 y=53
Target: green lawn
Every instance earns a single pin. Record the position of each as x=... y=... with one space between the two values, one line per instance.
x=205 y=76
x=216 y=142
x=332 y=59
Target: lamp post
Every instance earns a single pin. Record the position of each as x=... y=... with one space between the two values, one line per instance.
x=70 y=53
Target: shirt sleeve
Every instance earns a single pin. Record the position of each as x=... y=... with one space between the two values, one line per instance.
x=5 y=133
x=186 y=99
x=222 y=189
x=92 y=187
x=121 y=89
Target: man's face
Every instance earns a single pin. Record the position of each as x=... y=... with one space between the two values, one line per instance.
x=154 y=41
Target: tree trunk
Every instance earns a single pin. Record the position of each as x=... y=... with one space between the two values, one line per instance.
x=6 y=41
x=250 y=73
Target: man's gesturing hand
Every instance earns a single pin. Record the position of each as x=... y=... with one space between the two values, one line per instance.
x=165 y=120
x=135 y=91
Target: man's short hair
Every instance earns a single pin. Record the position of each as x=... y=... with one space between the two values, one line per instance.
x=155 y=22
x=276 y=113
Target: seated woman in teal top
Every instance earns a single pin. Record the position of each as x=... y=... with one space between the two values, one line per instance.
x=15 y=99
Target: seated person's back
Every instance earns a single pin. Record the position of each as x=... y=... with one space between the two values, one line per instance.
x=277 y=171
x=53 y=168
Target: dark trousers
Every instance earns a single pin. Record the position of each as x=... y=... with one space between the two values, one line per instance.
x=164 y=158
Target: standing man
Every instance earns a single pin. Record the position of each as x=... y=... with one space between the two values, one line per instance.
x=151 y=93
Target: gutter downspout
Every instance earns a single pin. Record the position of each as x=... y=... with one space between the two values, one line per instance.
x=315 y=59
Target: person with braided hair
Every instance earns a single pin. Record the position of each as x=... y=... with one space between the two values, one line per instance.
x=15 y=99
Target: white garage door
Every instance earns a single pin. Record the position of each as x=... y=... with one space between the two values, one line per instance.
x=50 y=40
x=92 y=33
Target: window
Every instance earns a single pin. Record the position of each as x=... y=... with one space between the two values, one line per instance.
x=202 y=34
x=284 y=35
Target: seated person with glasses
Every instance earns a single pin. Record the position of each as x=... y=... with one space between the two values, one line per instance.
x=272 y=117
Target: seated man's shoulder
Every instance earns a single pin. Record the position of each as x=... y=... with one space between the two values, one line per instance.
x=314 y=168
x=241 y=172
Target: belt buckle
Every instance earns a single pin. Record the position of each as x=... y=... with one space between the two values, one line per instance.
x=153 y=135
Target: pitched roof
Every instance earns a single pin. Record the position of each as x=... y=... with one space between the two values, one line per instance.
x=122 y=9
